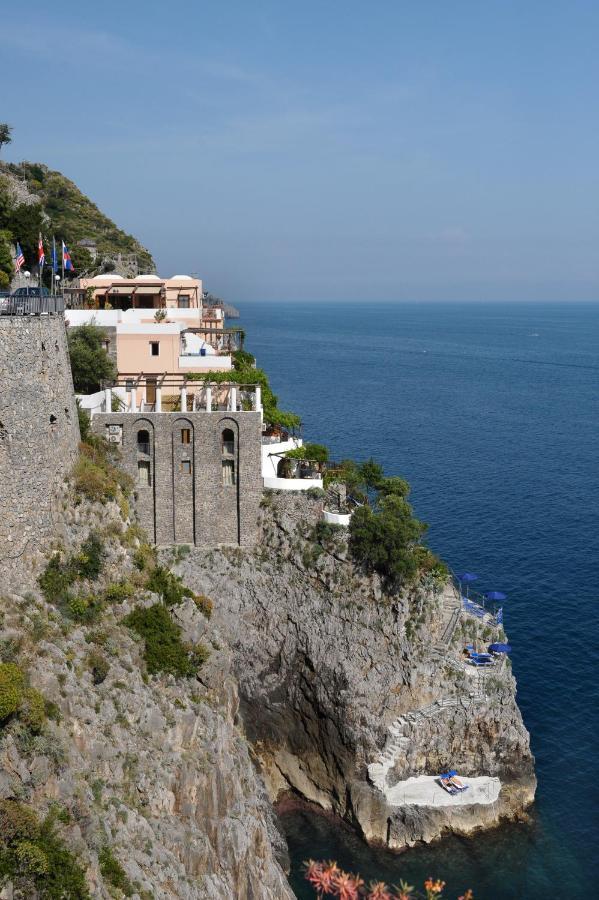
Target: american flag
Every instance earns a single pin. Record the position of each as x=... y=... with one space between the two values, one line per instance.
x=41 y=256
x=20 y=259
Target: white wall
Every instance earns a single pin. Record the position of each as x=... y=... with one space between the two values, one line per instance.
x=106 y=317
x=292 y=484
x=270 y=463
x=94 y=403
x=216 y=363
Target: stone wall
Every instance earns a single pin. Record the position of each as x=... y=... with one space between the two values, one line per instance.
x=39 y=431
x=177 y=464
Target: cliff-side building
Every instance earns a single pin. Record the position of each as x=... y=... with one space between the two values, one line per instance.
x=197 y=473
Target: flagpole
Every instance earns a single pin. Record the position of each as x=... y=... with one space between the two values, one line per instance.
x=39 y=265
x=62 y=262
x=53 y=265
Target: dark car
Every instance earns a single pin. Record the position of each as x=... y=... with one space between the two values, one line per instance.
x=31 y=292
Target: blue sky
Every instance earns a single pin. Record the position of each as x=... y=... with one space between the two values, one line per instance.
x=384 y=150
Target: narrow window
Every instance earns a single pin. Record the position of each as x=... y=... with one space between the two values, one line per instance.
x=228 y=442
x=155 y=348
x=143 y=472
x=106 y=345
x=186 y=435
x=186 y=466
x=228 y=472
x=183 y=301
x=143 y=441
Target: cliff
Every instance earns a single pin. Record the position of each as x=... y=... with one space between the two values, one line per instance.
x=147 y=778
x=348 y=691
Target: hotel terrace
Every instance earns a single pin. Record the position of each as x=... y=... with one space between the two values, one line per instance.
x=154 y=326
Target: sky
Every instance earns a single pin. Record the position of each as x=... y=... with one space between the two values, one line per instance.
x=384 y=150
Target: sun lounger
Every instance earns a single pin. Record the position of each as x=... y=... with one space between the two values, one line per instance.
x=448 y=786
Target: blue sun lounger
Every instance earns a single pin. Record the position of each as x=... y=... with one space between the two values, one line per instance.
x=447 y=785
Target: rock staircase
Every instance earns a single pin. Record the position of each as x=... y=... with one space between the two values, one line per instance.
x=399 y=741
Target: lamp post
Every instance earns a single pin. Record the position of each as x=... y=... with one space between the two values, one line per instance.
x=27 y=277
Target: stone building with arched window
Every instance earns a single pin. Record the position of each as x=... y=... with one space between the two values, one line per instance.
x=197 y=473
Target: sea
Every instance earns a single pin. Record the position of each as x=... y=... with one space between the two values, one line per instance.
x=491 y=412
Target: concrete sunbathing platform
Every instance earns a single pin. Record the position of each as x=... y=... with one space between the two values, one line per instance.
x=424 y=790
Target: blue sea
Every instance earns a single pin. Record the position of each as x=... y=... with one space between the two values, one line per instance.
x=491 y=411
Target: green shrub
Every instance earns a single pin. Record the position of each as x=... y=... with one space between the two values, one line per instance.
x=383 y=540
x=12 y=685
x=17 y=822
x=144 y=557
x=31 y=859
x=113 y=872
x=95 y=475
x=32 y=710
x=79 y=608
x=36 y=853
x=90 y=364
x=56 y=579
x=164 y=650
x=314 y=452
x=204 y=604
x=98 y=666
x=119 y=591
x=88 y=562
x=84 y=421
x=325 y=533
x=168 y=586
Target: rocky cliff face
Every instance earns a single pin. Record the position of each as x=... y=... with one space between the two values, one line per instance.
x=155 y=768
x=347 y=691
x=343 y=690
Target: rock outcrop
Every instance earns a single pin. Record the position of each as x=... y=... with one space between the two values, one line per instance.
x=156 y=768
x=347 y=690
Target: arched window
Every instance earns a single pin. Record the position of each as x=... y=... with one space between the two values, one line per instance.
x=228 y=442
x=228 y=454
x=143 y=441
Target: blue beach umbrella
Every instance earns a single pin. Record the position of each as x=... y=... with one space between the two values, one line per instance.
x=466 y=578
x=500 y=648
x=495 y=595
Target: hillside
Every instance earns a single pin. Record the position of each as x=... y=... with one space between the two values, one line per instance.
x=34 y=198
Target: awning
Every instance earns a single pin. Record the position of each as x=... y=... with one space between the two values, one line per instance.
x=118 y=290
x=146 y=290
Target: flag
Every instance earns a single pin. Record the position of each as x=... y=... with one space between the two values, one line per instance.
x=20 y=259
x=41 y=256
x=54 y=257
x=66 y=259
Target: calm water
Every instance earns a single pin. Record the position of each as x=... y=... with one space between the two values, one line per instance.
x=492 y=413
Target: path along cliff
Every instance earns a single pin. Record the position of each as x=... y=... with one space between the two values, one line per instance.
x=348 y=691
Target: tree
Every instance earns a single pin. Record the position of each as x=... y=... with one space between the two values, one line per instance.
x=383 y=540
x=90 y=364
x=6 y=260
x=5 y=134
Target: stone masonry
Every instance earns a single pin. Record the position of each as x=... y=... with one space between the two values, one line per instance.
x=181 y=465
x=39 y=431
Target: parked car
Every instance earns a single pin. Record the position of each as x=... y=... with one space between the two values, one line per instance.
x=31 y=292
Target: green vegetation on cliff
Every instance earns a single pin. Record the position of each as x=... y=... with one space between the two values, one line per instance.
x=34 y=198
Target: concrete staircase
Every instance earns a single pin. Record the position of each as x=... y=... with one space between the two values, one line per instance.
x=399 y=741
